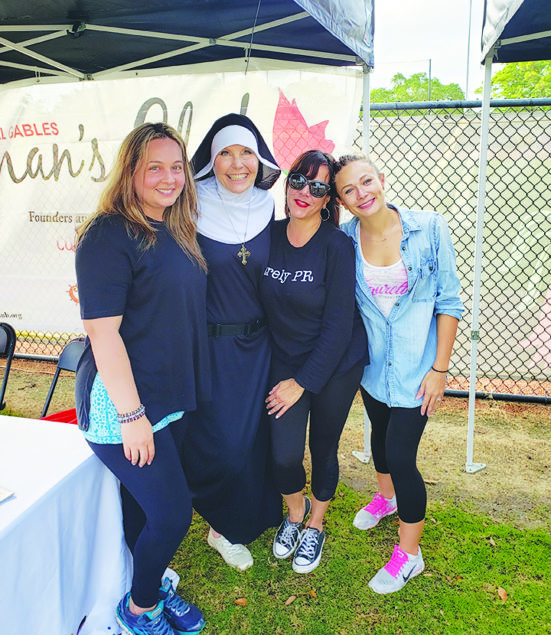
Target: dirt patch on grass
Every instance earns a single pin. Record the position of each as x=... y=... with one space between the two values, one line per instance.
x=512 y=439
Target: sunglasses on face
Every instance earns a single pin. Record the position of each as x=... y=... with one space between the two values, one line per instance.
x=318 y=189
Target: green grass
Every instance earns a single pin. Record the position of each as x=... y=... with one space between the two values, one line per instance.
x=468 y=558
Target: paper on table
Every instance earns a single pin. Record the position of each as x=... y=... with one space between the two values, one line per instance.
x=5 y=494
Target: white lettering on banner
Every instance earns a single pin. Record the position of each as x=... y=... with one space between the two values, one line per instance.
x=58 y=143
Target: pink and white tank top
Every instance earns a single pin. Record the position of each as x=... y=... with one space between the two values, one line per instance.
x=387 y=284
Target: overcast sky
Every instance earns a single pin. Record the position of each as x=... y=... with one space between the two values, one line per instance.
x=410 y=32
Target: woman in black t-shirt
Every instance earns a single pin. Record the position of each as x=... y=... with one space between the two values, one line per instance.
x=319 y=350
x=139 y=268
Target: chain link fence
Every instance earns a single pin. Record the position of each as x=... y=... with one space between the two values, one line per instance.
x=429 y=153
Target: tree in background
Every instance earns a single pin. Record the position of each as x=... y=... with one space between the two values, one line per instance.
x=416 y=88
x=522 y=80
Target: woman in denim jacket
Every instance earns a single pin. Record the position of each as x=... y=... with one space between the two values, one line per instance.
x=407 y=290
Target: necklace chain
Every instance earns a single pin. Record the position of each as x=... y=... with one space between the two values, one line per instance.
x=243 y=253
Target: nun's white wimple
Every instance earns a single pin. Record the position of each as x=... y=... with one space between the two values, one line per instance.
x=229 y=136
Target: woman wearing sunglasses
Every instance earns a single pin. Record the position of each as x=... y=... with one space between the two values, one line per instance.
x=319 y=351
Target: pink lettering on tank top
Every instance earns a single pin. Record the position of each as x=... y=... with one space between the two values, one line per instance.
x=387 y=284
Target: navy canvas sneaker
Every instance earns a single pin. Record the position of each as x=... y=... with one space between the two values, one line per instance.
x=149 y=623
x=288 y=534
x=183 y=617
x=308 y=553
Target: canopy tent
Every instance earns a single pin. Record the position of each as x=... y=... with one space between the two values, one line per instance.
x=88 y=40
x=512 y=31
x=516 y=30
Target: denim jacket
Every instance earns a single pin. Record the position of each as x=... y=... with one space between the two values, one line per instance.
x=402 y=347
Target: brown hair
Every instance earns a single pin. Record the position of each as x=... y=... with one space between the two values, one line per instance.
x=308 y=164
x=119 y=195
x=345 y=159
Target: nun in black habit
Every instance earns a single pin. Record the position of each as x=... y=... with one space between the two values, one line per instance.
x=226 y=453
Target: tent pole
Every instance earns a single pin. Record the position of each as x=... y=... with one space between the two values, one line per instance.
x=366 y=454
x=471 y=467
x=366 y=117
x=366 y=109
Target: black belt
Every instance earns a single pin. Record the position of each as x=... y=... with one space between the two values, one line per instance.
x=217 y=330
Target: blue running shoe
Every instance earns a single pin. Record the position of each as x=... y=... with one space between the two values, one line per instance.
x=183 y=617
x=149 y=623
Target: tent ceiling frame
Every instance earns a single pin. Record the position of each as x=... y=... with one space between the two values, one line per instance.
x=228 y=40
x=524 y=38
x=41 y=58
x=36 y=40
x=34 y=69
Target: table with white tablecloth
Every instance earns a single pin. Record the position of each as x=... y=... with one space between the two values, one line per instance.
x=62 y=552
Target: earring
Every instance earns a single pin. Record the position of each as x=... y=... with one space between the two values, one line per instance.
x=325 y=216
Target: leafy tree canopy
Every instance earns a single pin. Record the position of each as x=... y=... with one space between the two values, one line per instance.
x=522 y=80
x=416 y=88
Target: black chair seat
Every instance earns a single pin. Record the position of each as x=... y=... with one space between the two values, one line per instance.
x=8 y=339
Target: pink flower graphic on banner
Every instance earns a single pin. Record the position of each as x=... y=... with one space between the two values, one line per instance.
x=540 y=337
x=292 y=135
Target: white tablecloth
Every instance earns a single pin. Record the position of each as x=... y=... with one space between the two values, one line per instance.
x=62 y=550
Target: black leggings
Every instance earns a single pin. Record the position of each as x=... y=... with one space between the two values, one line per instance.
x=156 y=506
x=328 y=412
x=395 y=436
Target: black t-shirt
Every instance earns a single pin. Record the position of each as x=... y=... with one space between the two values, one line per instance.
x=161 y=295
x=308 y=295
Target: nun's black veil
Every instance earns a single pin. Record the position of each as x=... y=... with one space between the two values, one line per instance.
x=268 y=172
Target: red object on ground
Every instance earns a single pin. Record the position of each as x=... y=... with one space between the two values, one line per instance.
x=65 y=416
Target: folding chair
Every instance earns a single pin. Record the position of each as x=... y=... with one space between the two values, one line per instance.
x=8 y=339
x=68 y=360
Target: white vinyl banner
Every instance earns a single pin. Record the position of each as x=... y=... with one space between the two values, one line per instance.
x=58 y=142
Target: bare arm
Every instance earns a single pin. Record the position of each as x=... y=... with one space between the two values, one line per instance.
x=116 y=373
x=434 y=383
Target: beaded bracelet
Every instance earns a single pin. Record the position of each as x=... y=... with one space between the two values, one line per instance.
x=444 y=372
x=133 y=415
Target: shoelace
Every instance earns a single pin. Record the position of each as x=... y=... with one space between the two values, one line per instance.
x=397 y=562
x=176 y=604
x=286 y=537
x=158 y=626
x=377 y=505
x=233 y=548
x=308 y=544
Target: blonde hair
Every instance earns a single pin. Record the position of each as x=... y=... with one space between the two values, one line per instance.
x=119 y=196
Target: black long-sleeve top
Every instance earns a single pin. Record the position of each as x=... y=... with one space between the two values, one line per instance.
x=308 y=296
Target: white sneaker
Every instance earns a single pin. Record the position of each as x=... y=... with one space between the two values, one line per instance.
x=372 y=513
x=237 y=556
x=397 y=571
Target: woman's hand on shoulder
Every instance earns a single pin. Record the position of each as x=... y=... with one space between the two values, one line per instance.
x=137 y=441
x=431 y=390
x=283 y=396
